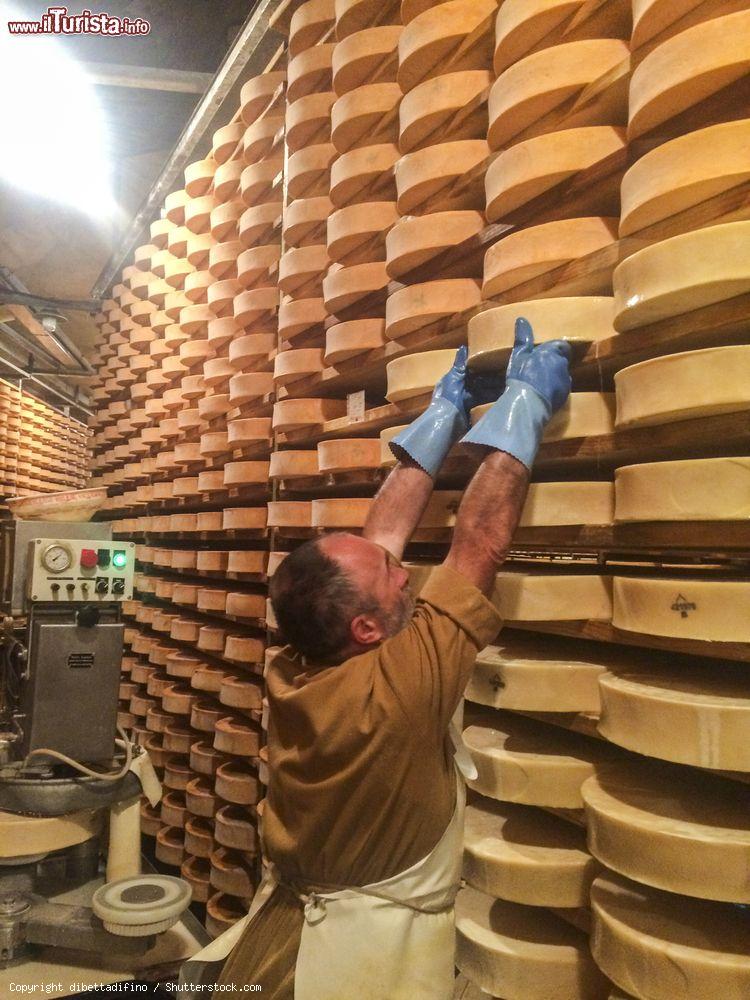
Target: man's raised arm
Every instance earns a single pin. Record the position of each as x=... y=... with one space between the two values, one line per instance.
x=537 y=384
x=421 y=449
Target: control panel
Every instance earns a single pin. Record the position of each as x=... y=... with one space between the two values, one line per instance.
x=69 y=569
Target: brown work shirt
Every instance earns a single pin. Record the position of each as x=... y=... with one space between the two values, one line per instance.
x=362 y=781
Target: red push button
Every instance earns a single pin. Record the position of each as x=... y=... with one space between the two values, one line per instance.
x=89 y=558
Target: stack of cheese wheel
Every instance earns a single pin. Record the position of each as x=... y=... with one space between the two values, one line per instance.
x=364 y=130
x=304 y=262
x=42 y=451
x=445 y=73
x=520 y=861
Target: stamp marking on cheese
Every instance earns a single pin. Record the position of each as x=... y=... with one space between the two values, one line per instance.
x=355 y=406
x=683 y=605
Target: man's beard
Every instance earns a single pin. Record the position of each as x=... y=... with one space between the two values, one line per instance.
x=400 y=616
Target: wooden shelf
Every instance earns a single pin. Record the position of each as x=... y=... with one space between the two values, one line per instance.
x=606 y=632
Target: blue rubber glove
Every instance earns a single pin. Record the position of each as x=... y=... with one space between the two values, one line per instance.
x=537 y=385
x=429 y=438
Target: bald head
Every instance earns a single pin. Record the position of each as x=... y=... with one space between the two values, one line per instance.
x=339 y=595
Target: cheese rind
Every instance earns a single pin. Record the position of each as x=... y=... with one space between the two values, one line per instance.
x=416 y=374
x=420 y=305
x=522 y=952
x=532 y=167
x=688 y=68
x=681 y=386
x=699 y=609
x=442 y=178
x=450 y=106
x=683 y=833
x=662 y=946
x=539 y=83
x=568 y=503
x=521 y=854
x=553 y=597
x=681 y=274
x=701 y=489
x=539 y=674
x=529 y=253
x=579 y=319
x=687 y=714
x=520 y=760
x=684 y=172
x=414 y=240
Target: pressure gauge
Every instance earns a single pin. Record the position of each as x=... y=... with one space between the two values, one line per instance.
x=57 y=558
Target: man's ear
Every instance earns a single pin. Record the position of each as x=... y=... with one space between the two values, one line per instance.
x=365 y=630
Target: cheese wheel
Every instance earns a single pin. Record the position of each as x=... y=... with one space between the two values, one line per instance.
x=257 y=266
x=538 y=250
x=442 y=178
x=449 y=36
x=290 y=514
x=702 y=489
x=687 y=69
x=245 y=473
x=245 y=561
x=652 y=18
x=260 y=137
x=291 y=414
x=364 y=175
x=523 y=26
x=522 y=952
x=349 y=455
x=257 y=94
x=225 y=219
x=259 y=224
x=251 y=349
x=355 y=15
x=520 y=760
x=301 y=271
x=422 y=305
x=662 y=827
x=305 y=221
x=347 y=340
x=662 y=946
x=340 y=513
x=240 y=605
x=244 y=518
x=578 y=319
x=553 y=80
x=521 y=854
x=248 y=431
x=309 y=72
x=366 y=116
x=309 y=23
x=258 y=306
x=309 y=171
x=416 y=374
x=308 y=121
x=296 y=316
x=356 y=234
x=546 y=597
x=700 y=609
x=346 y=287
x=683 y=713
x=292 y=365
x=448 y=107
x=530 y=673
x=260 y=183
x=227 y=180
x=249 y=386
x=368 y=56
x=532 y=167
x=415 y=240
x=568 y=503
x=293 y=464
x=681 y=274
x=222 y=259
x=684 y=172
x=681 y=386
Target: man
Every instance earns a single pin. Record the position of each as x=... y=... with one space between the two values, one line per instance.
x=363 y=820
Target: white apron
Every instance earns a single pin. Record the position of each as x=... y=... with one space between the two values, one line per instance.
x=394 y=939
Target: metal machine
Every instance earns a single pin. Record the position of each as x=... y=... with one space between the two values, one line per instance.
x=63 y=771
